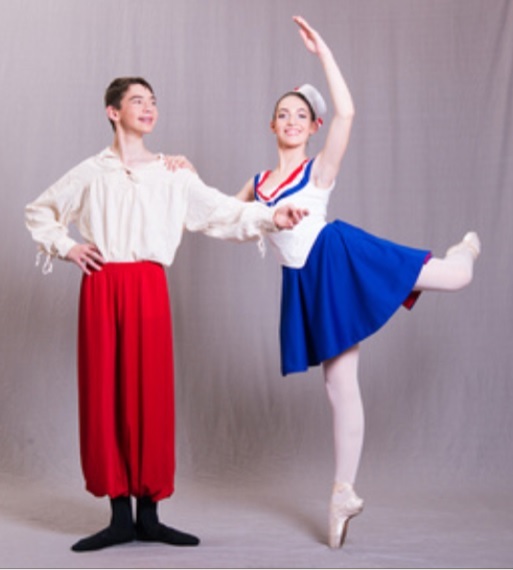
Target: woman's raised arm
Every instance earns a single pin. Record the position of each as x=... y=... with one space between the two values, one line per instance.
x=327 y=165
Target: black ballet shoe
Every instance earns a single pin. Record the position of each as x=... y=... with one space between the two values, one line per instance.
x=110 y=536
x=148 y=528
x=120 y=530
x=159 y=532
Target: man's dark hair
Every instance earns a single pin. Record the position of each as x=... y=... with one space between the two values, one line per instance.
x=117 y=89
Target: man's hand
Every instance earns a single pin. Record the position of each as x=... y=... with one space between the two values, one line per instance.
x=288 y=216
x=87 y=256
x=175 y=162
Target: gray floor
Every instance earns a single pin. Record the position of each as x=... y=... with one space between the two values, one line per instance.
x=262 y=526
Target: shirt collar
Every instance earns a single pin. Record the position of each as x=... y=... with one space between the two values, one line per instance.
x=110 y=159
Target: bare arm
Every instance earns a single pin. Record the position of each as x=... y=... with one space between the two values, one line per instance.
x=247 y=193
x=327 y=165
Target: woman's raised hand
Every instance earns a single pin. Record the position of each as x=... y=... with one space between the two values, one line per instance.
x=312 y=39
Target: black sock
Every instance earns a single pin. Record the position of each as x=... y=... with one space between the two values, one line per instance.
x=120 y=530
x=150 y=529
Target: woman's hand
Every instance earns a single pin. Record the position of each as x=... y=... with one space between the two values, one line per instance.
x=311 y=37
x=87 y=256
x=175 y=162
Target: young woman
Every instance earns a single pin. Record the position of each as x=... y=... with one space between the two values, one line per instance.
x=340 y=284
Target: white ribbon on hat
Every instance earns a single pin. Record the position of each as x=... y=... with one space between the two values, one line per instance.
x=316 y=100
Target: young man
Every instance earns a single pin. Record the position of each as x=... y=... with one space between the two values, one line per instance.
x=130 y=209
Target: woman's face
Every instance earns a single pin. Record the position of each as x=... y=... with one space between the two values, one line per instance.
x=293 y=123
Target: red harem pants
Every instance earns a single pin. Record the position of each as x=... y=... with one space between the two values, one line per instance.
x=125 y=374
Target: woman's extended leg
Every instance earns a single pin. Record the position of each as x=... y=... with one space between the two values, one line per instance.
x=454 y=271
x=341 y=374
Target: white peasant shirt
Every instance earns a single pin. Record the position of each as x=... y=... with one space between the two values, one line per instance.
x=137 y=214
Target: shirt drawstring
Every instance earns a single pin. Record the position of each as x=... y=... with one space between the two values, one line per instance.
x=47 y=265
x=261 y=246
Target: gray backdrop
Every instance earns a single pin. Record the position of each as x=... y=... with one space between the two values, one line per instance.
x=431 y=156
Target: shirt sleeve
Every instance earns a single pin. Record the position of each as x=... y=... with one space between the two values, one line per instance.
x=217 y=215
x=47 y=218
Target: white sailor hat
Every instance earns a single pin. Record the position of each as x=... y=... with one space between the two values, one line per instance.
x=315 y=99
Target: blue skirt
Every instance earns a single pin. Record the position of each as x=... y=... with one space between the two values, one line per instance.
x=350 y=286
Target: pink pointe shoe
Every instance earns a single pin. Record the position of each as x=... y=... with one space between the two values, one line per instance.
x=470 y=243
x=344 y=505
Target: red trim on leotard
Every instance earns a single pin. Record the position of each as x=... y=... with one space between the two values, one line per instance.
x=284 y=183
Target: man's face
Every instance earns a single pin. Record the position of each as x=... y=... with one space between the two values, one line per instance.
x=138 y=111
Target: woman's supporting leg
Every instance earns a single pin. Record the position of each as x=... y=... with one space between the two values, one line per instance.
x=341 y=374
x=454 y=271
